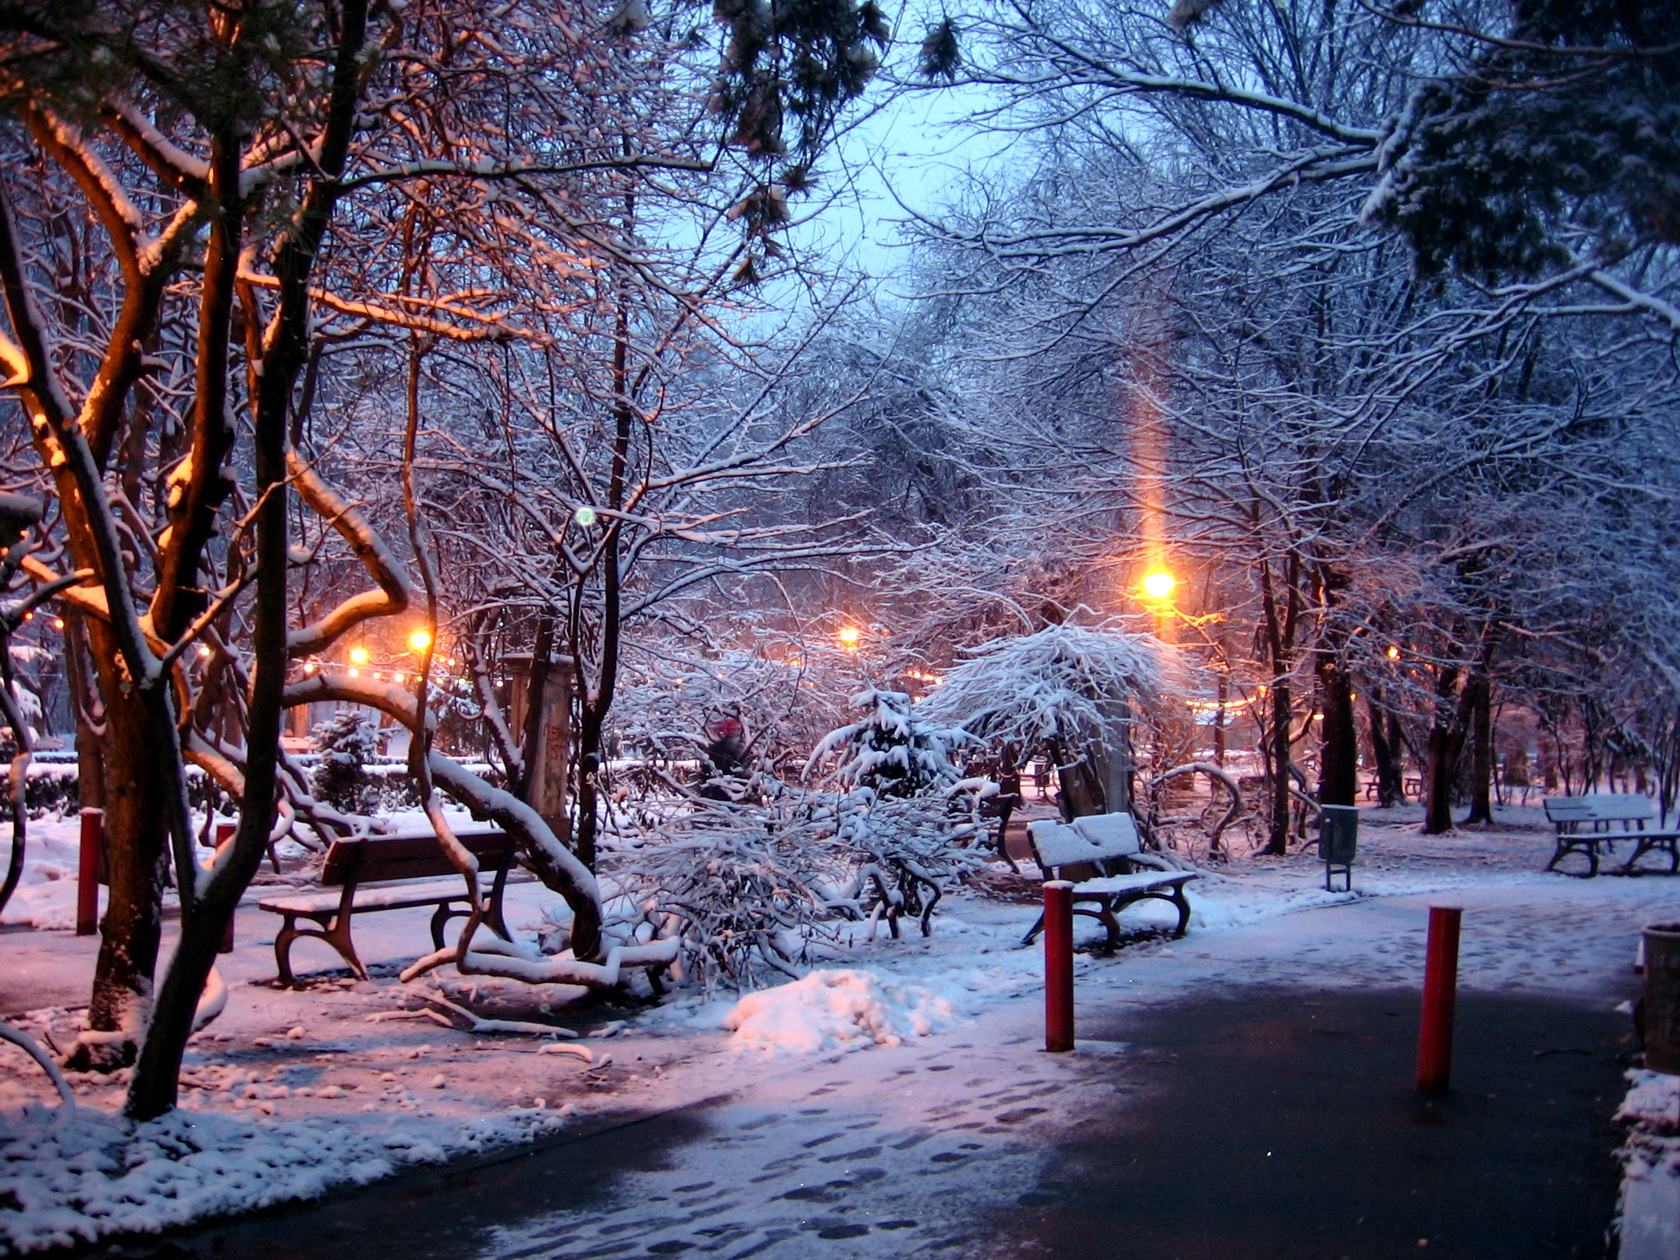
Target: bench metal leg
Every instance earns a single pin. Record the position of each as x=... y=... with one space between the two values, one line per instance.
x=1666 y=844
x=335 y=934
x=1575 y=844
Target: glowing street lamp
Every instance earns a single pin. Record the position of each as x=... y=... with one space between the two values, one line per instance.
x=1159 y=584
x=1393 y=653
x=849 y=636
x=420 y=640
x=358 y=656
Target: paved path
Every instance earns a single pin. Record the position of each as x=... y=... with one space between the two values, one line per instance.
x=1255 y=1105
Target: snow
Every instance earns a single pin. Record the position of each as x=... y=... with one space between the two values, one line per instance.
x=79 y=1176
x=46 y=894
x=837 y=1010
x=1650 y=1208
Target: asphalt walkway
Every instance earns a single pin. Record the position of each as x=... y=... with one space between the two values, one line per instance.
x=1249 y=1123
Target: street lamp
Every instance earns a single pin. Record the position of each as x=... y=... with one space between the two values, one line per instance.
x=849 y=636
x=358 y=656
x=420 y=640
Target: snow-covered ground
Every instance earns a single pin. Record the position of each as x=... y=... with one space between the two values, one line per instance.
x=343 y=1081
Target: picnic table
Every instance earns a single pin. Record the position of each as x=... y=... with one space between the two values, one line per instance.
x=1599 y=820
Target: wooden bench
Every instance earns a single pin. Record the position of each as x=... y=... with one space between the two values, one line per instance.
x=1097 y=854
x=395 y=872
x=1587 y=823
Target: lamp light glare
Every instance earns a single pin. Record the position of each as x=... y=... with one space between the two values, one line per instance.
x=420 y=640
x=1159 y=585
x=358 y=656
x=1393 y=653
x=849 y=636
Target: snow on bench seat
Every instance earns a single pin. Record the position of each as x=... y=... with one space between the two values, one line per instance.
x=1096 y=854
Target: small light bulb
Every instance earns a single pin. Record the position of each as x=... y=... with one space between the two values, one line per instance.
x=420 y=640
x=358 y=656
x=204 y=649
x=585 y=516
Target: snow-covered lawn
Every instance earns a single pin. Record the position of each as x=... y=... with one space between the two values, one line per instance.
x=292 y=1092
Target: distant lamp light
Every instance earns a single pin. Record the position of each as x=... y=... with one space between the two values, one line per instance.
x=58 y=623
x=420 y=640
x=309 y=667
x=1393 y=653
x=1159 y=585
x=358 y=656
x=585 y=516
x=204 y=649
x=355 y=673
x=849 y=636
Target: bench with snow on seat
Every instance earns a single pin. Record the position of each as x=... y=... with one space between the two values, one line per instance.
x=1587 y=823
x=1097 y=854
x=394 y=872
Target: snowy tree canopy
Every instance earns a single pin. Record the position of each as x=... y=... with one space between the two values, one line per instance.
x=1053 y=685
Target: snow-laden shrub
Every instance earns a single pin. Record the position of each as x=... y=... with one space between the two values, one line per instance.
x=748 y=885
x=348 y=741
x=907 y=850
x=889 y=751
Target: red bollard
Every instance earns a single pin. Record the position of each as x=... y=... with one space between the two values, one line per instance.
x=87 y=872
x=1058 y=966
x=1440 y=990
x=224 y=836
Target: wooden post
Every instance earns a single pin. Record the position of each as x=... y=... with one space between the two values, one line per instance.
x=1058 y=966
x=1440 y=992
x=224 y=836
x=87 y=872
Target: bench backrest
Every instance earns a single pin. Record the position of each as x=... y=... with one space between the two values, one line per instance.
x=1092 y=840
x=1600 y=807
x=411 y=855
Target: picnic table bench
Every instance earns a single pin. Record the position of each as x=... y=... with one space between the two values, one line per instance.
x=1097 y=854
x=1587 y=823
x=392 y=872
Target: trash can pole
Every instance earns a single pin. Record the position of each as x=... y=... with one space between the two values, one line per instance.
x=87 y=872
x=1440 y=990
x=224 y=837
x=1058 y=966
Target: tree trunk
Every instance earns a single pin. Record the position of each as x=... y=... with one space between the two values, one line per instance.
x=1481 y=749
x=88 y=711
x=136 y=867
x=1081 y=785
x=1446 y=742
x=1338 y=782
x=1386 y=753
x=1283 y=714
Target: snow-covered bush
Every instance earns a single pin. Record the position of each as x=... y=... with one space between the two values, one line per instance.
x=889 y=750
x=907 y=849
x=748 y=885
x=348 y=741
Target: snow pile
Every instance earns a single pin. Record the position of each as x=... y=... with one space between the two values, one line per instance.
x=79 y=1176
x=836 y=1010
x=1650 y=1209
x=46 y=894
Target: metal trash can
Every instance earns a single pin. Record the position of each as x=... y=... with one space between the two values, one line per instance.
x=1338 y=841
x=1661 y=1007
